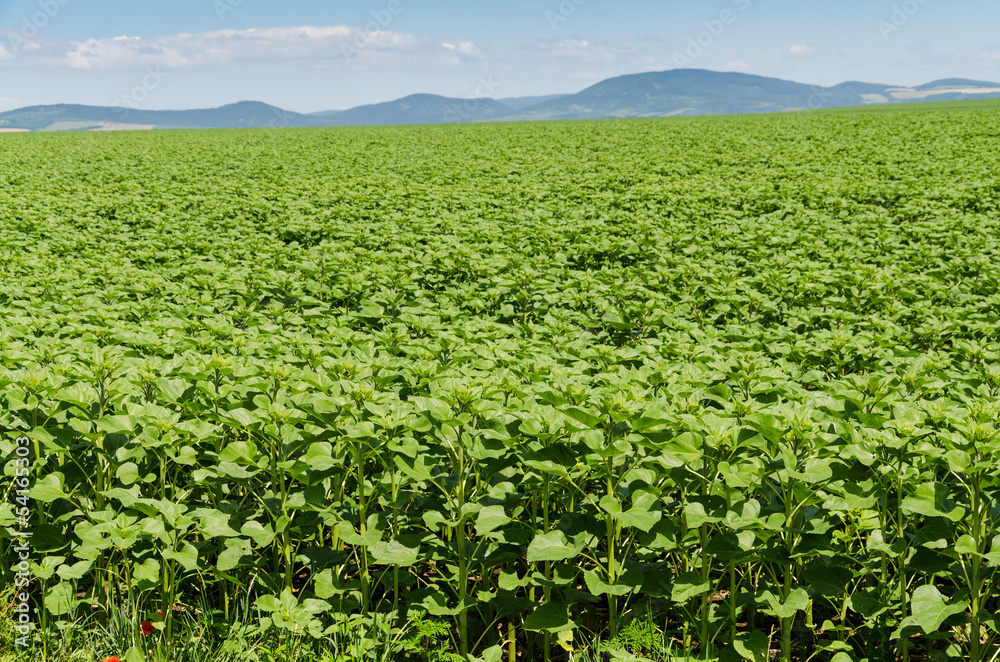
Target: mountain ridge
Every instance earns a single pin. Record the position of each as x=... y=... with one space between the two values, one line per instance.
x=649 y=94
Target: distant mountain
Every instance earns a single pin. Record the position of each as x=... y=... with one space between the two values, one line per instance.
x=700 y=92
x=654 y=94
x=955 y=82
x=325 y=113
x=421 y=109
x=676 y=92
x=245 y=114
x=517 y=103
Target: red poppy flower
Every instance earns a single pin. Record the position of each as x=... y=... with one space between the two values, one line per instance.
x=111 y=659
x=147 y=628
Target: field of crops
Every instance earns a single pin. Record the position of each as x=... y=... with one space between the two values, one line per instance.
x=692 y=389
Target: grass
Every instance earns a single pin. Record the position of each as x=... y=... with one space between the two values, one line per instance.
x=916 y=107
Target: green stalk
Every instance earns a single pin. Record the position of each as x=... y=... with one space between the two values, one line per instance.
x=705 y=566
x=400 y=613
x=976 y=566
x=786 y=590
x=609 y=522
x=547 y=592
x=884 y=570
x=363 y=552
x=168 y=601
x=900 y=532
x=705 y=578
x=463 y=568
x=732 y=577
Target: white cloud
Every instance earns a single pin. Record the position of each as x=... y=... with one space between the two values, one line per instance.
x=739 y=65
x=9 y=103
x=5 y=54
x=800 y=50
x=323 y=46
x=584 y=51
x=469 y=49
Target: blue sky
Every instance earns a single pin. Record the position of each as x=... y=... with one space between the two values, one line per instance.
x=308 y=55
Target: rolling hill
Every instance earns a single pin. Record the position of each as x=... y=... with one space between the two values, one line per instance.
x=245 y=114
x=421 y=109
x=654 y=94
x=701 y=92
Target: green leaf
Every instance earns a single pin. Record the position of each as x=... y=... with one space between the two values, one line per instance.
x=49 y=488
x=268 y=603
x=967 y=545
x=187 y=556
x=260 y=534
x=171 y=389
x=932 y=500
x=47 y=566
x=643 y=515
x=798 y=600
x=61 y=599
x=395 y=553
x=509 y=581
x=830 y=582
x=929 y=609
x=867 y=603
x=551 y=617
x=490 y=518
x=687 y=586
x=215 y=524
x=597 y=585
x=437 y=605
x=118 y=425
x=76 y=571
x=551 y=547
x=127 y=498
x=351 y=536
x=754 y=646
x=493 y=654
x=149 y=571
x=695 y=515
x=319 y=457
x=239 y=418
x=579 y=415
x=128 y=473
x=814 y=471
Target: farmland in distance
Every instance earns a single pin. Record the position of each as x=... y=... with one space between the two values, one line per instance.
x=732 y=381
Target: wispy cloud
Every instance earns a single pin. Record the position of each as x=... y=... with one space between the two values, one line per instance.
x=739 y=66
x=586 y=51
x=323 y=47
x=800 y=50
x=467 y=49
